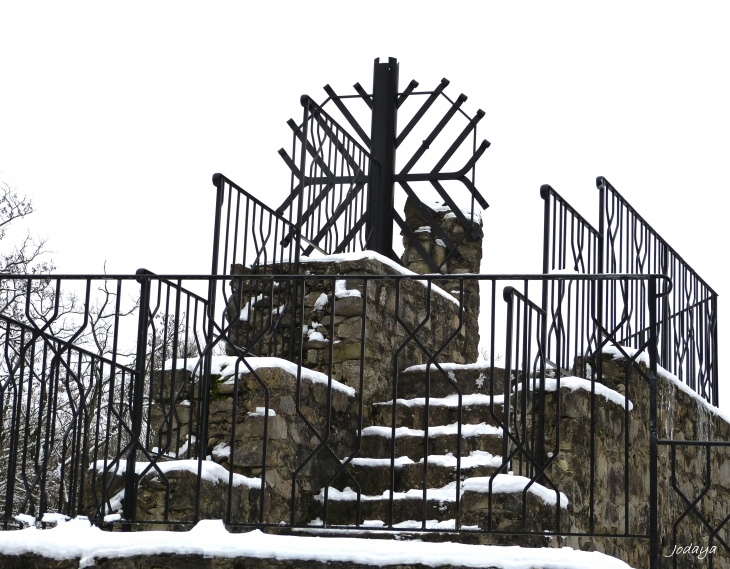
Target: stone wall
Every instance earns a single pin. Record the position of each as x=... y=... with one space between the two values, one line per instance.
x=680 y=416
x=298 y=435
x=333 y=309
x=295 y=428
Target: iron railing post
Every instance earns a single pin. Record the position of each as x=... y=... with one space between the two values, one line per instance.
x=379 y=226
x=665 y=335
x=653 y=451
x=295 y=330
x=545 y=195
x=130 y=488
x=305 y=101
x=218 y=183
x=509 y=299
x=204 y=384
x=713 y=350
x=540 y=450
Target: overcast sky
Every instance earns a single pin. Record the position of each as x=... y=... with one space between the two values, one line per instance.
x=113 y=117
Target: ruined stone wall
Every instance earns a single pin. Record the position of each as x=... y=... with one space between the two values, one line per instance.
x=331 y=324
x=680 y=416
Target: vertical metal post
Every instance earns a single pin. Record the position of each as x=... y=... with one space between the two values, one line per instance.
x=305 y=101
x=653 y=436
x=597 y=375
x=295 y=286
x=509 y=299
x=713 y=350
x=545 y=195
x=130 y=487
x=540 y=450
x=218 y=183
x=204 y=384
x=379 y=226
x=665 y=335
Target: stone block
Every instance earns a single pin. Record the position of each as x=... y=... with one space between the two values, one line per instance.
x=350 y=329
x=349 y=306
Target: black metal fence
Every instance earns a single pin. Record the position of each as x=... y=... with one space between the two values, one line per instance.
x=688 y=346
x=249 y=233
x=625 y=243
x=379 y=420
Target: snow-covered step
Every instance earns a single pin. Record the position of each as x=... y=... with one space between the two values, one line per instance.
x=470 y=378
x=373 y=474
x=484 y=500
x=475 y=408
x=376 y=440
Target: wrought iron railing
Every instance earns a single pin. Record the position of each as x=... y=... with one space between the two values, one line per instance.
x=380 y=376
x=688 y=346
x=626 y=243
x=176 y=341
x=249 y=233
x=570 y=242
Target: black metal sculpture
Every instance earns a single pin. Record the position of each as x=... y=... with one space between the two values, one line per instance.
x=342 y=195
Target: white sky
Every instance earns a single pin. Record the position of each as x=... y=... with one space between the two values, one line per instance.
x=114 y=117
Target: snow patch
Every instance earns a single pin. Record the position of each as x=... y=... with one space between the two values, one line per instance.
x=449 y=401
x=450 y=367
x=643 y=358
x=54 y=518
x=211 y=471
x=359 y=255
x=480 y=381
x=320 y=303
x=381 y=462
x=261 y=411
x=506 y=484
x=342 y=292
x=500 y=484
x=574 y=383
x=25 y=519
x=442 y=430
x=221 y=451
x=476 y=458
x=315 y=336
x=248 y=308
x=225 y=367
x=439 y=206
x=209 y=538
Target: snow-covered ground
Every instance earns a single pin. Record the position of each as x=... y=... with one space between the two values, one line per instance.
x=78 y=539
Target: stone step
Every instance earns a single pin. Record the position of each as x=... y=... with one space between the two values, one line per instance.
x=376 y=440
x=504 y=512
x=373 y=475
x=475 y=408
x=437 y=532
x=470 y=378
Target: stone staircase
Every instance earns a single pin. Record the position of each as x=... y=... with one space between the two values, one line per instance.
x=486 y=501
x=485 y=504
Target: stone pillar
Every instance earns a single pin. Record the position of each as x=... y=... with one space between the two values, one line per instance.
x=470 y=250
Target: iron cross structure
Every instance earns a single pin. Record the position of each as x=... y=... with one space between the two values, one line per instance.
x=343 y=185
